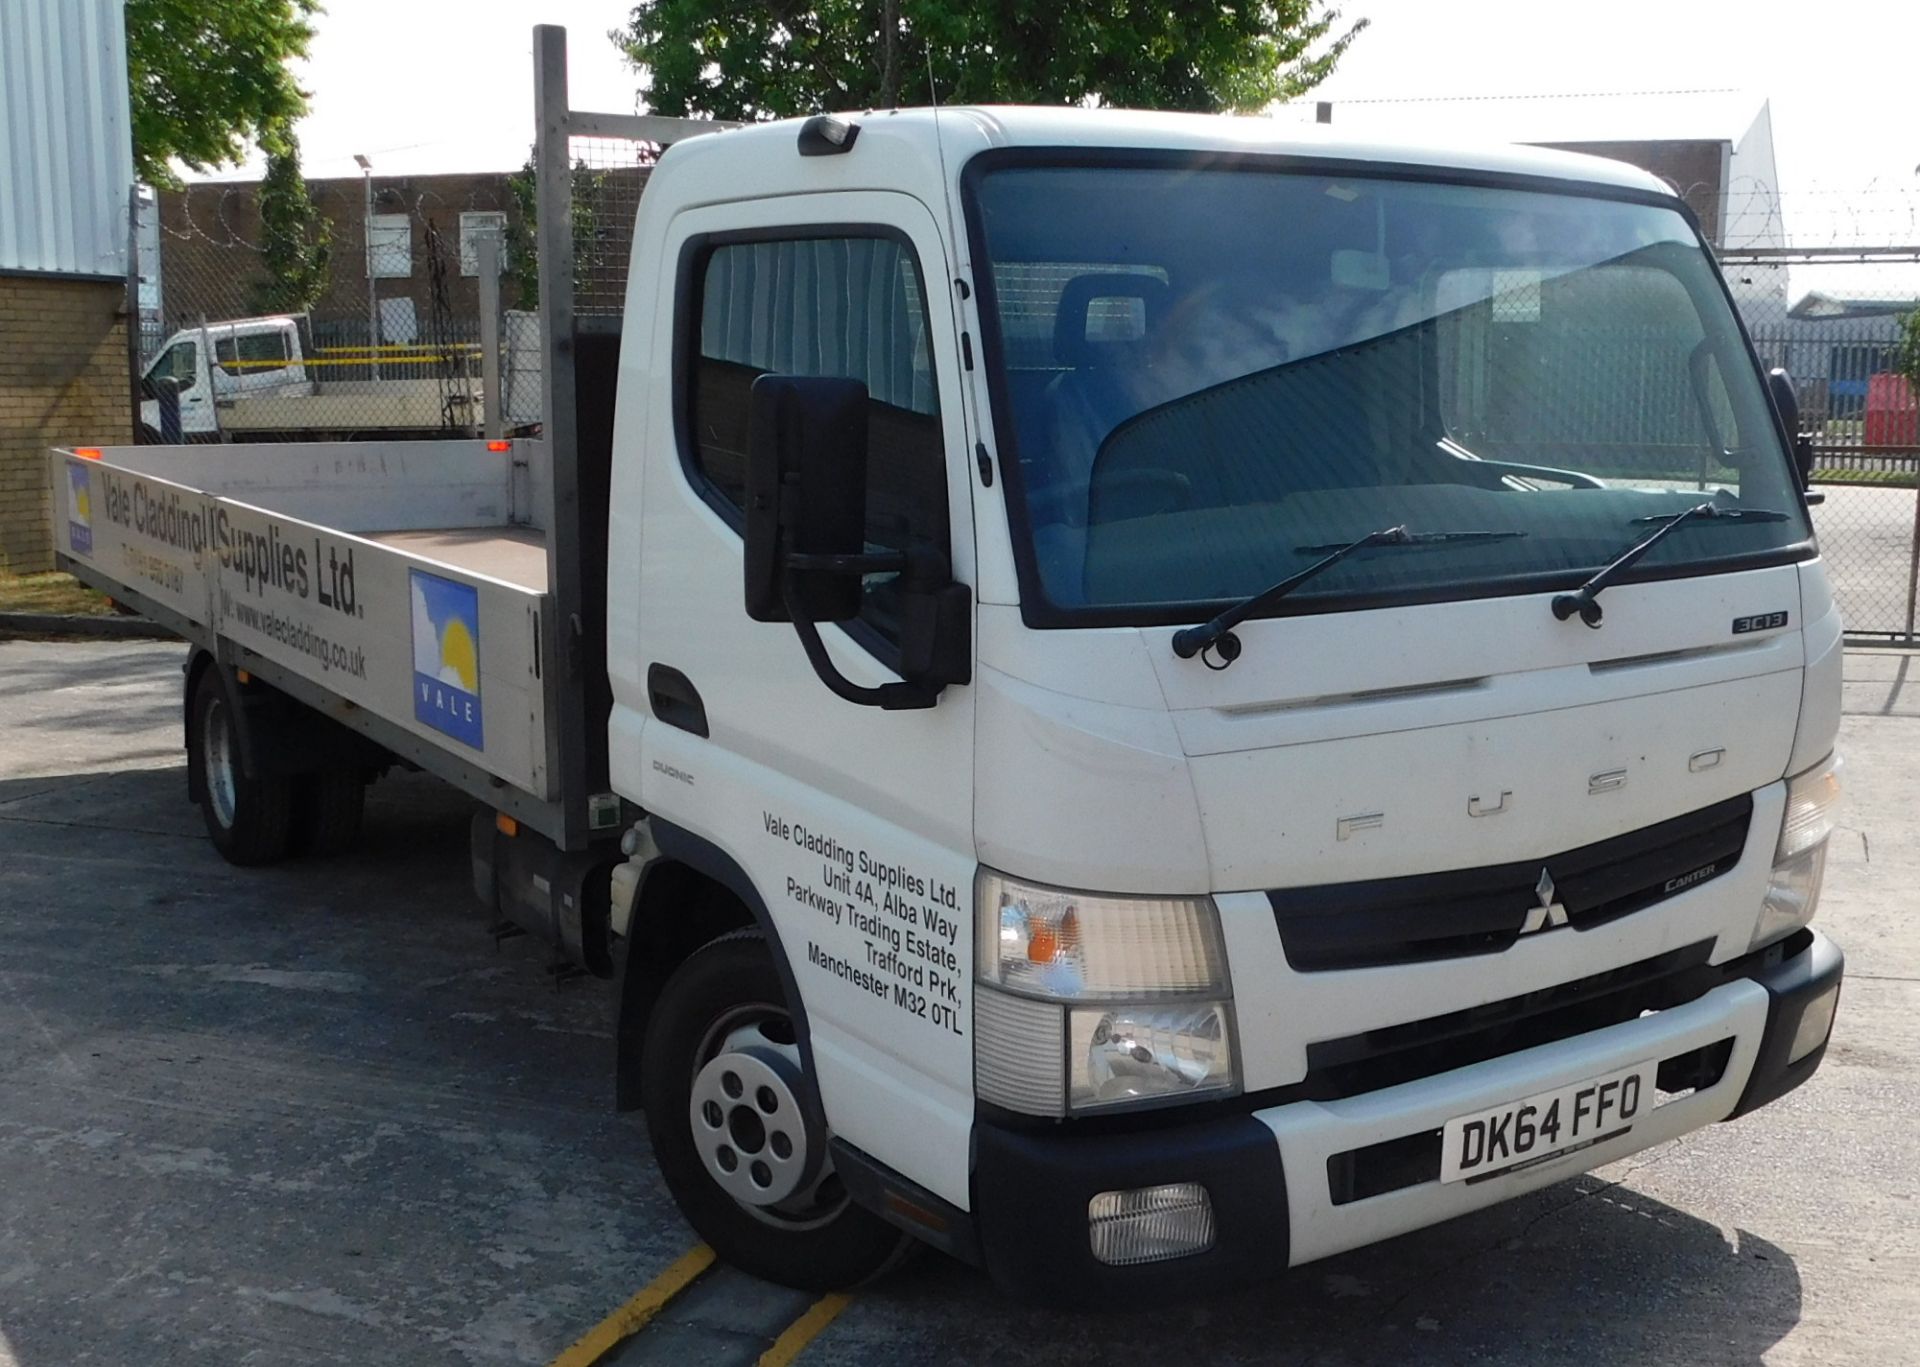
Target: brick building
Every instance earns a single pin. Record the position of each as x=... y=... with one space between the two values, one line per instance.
x=210 y=263
x=66 y=169
x=422 y=252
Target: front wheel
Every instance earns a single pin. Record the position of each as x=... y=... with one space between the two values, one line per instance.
x=738 y=1131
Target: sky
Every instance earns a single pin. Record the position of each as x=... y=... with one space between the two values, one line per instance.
x=446 y=85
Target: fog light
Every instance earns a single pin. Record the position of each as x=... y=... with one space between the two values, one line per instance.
x=1816 y=1023
x=1150 y=1224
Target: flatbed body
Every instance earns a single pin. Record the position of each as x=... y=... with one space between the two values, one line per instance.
x=395 y=587
x=400 y=406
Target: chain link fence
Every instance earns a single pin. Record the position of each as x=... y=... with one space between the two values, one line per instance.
x=1830 y=311
x=359 y=318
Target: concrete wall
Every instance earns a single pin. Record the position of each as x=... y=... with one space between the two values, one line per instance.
x=63 y=381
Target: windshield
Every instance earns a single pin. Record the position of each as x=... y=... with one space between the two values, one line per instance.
x=1207 y=376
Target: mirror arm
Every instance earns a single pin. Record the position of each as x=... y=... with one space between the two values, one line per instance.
x=893 y=697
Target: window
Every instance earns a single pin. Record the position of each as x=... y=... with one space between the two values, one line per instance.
x=252 y=353
x=389 y=246
x=1194 y=406
x=181 y=362
x=399 y=323
x=474 y=223
x=849 y=307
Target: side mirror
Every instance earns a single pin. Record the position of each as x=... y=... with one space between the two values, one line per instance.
x=1787 y=401
x=805 y=554
x=806 y=497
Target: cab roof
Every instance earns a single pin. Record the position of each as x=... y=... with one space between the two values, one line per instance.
x=891 y=136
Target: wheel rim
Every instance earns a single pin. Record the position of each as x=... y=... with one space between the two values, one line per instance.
x=216 y=752
x=757 y=1137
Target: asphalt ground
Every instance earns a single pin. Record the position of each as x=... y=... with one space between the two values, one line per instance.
x=313 y=1114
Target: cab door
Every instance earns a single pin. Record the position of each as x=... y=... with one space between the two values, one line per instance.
x=853 y=824
x=184 y=361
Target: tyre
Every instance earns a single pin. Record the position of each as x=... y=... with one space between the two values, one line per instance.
x=248 y=818
x=738 y=1132
x=327 y=807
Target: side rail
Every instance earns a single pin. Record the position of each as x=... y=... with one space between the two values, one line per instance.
x=440 y=664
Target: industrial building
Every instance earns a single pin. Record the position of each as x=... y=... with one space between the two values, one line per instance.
x=66 y=175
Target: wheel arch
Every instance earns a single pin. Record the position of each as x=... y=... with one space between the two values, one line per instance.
x=691 y=873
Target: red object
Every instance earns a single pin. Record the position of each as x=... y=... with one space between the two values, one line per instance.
x=1893 y=418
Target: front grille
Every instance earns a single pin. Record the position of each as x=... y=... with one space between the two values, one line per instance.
x=1481 y=911
x=1355 y=1064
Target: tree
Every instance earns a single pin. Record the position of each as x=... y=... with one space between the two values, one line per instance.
x=1906 y=354
x=602 y=209
x=208 y=78
x=740 y=59
x=296 y=240
x=523 y=258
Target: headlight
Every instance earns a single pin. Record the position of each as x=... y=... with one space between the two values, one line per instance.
x=1088 y=1002
x=1800 y=857
x=1118 y=1054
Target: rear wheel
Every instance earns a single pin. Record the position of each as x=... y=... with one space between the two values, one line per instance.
x=738 y=1131
x=248 y=817
x=327 y=808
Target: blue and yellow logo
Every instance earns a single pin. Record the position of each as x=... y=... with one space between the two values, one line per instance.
x=79 y=509
x=446 y=657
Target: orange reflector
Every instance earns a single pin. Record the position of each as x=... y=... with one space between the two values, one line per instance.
x=919 y=1214
x=499 y=446
x=243 y=676
x=505 y=824
x=87 y=452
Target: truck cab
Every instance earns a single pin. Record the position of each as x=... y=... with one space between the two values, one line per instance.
x=216 y=364
x=1247 y=691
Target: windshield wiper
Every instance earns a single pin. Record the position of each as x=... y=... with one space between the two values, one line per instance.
x=1217 y=634
x=1421 y=539
x=1585 y=599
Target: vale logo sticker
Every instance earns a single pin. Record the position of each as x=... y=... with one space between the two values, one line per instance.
x=79 y=510
x=446 y=657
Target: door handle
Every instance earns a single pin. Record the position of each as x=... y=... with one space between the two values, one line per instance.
x=675 y=700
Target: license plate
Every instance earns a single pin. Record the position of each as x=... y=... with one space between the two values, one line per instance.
x=1537 y=1127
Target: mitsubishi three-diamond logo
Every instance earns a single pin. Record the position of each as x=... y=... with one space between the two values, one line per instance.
x=1549 y=913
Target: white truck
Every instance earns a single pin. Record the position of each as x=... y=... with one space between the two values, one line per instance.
x=1141 y=699
x=257 y=379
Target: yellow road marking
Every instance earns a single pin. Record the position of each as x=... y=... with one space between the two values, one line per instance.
x=632 y=1317
x=795 y=1337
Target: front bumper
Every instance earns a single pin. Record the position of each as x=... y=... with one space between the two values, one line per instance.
x=1281 y=1180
